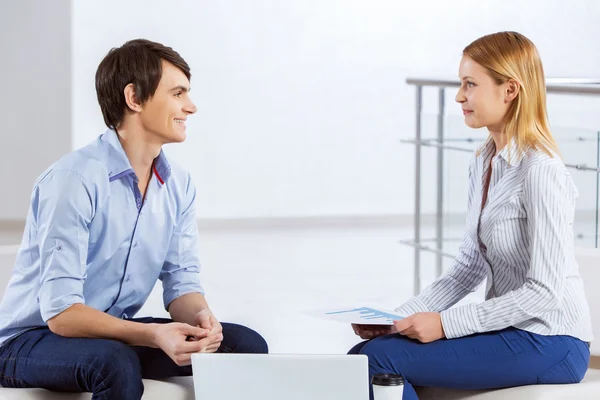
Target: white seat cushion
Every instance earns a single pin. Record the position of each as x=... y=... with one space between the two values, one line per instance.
x=589 y=388
x=179 y=388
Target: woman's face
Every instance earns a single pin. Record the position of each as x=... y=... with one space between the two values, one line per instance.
x=484 y=102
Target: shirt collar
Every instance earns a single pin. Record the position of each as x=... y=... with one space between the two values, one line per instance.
x=486 y=151
x=119 y=165
x=162 y=168
x=509 y=153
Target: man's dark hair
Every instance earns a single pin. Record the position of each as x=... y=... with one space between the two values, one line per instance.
x=138 y=62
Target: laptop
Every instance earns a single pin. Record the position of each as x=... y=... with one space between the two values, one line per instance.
x=280 y=377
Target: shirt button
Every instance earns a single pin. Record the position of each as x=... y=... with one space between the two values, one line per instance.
x=127 y=278
x=135 y=244
x=124 y=316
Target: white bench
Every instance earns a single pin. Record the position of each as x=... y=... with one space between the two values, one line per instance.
x=182 y=388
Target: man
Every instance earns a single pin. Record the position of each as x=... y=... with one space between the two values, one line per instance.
x=104 y=223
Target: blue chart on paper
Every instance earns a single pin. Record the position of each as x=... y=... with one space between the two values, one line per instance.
x=368 y=313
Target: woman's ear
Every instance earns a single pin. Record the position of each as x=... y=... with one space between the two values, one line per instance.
x=131 y=99
x=512 y=90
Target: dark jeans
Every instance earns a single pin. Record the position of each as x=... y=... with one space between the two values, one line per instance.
x=108 y=368
x=506 y=358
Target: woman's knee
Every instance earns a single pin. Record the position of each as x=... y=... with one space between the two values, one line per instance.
x=376 y=346
x=357 y=348
x=379 y=351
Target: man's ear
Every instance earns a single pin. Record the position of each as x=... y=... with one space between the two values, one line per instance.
x=131 y=99
x=512 y=90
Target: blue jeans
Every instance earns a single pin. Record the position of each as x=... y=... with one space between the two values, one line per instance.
x=506 y=358
x=108 y=368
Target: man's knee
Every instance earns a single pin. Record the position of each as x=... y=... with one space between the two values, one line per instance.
x=240 y=339
x=116 y=370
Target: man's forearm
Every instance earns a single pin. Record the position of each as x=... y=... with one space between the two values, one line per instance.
x=82 y=321
x=185 y=308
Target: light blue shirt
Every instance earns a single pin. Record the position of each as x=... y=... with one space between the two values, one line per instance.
x=90 y=238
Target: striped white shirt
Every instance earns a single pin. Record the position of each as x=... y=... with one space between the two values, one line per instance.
x=524 y=247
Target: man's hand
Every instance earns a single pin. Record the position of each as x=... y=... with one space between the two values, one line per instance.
x=373 y=331
x=206 y=320
x=172 y=339
x=425 y=327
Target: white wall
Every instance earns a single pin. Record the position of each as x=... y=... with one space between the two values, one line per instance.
x=302 y=103
x=35 y=104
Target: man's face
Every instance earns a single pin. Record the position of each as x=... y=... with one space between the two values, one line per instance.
x=164 y=115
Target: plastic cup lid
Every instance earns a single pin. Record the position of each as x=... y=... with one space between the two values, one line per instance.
x=387 y=380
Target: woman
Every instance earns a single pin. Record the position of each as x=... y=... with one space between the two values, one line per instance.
x=534 y=326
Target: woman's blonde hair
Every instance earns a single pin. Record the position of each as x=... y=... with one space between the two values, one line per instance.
x=510 y=55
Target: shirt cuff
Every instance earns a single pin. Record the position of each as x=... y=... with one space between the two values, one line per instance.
x=411 y=307
x=460 y=321
x=173 y=294
x=58 y=295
